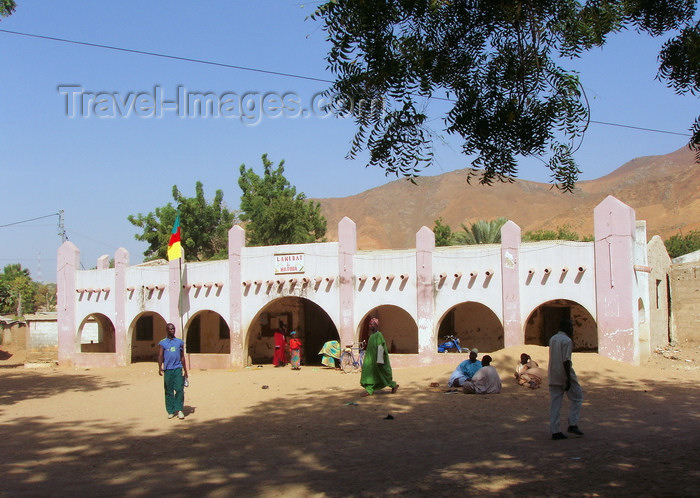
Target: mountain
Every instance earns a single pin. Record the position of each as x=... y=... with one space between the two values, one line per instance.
x=663 y=190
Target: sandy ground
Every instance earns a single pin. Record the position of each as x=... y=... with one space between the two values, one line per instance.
x=104 y=432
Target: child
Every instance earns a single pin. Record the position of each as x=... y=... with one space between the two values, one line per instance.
x=295 y=348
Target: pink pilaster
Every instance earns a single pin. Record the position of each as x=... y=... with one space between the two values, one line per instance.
x=427 y=332
x=68 y=261
x=614 y=225
x=347 y=247
x=236 y=243
x=103 y=262
x=510 y=277
x=121 y=327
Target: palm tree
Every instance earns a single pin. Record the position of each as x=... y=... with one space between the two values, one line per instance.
x=481 y=232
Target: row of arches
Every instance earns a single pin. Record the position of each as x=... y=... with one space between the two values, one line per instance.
x=208 y=332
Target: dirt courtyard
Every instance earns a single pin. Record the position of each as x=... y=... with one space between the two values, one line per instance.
x=104 y=432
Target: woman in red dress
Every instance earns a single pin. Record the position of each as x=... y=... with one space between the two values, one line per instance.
x=280 y=358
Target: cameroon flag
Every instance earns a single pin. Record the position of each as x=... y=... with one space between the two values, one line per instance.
x=174 y=246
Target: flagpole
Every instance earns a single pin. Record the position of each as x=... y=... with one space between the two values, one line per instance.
x=179 y=300
x=175 y=251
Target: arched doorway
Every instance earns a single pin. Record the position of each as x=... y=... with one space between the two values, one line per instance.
x=314 y=327
x=146 y=332
x=207 y=332
x=398 y=327
x=476 y=325
x=96 y=334
x=544 y=321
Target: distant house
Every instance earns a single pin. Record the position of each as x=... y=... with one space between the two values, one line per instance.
x=42 y=337
x=13 y=332
x=684 y=278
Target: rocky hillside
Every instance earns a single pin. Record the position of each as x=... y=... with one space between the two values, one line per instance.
x=664 y=191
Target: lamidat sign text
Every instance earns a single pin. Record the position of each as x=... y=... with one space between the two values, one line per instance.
x=289 y=263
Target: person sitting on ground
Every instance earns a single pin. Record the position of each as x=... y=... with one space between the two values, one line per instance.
x=485 y=381
x=528 y=373
x=465 y=370
x=331 y=353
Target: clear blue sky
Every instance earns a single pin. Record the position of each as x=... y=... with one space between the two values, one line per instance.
x=99 y=170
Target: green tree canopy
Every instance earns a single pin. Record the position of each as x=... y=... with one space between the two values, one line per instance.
x=499 y=65
x=17 y=290
x=204 y=226
x=678 y=245
x=561 y=233
x=7 y=7
x=443 y=234
x=45 y=297
x=272 y=210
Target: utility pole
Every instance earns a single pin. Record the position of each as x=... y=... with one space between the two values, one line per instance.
x=61 y=227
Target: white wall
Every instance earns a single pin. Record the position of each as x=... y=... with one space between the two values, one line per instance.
x=257 y=264
x=476 y=259
x=373 y=293
x=556 y=255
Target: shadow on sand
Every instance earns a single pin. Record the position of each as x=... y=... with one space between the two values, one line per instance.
x=318 y=443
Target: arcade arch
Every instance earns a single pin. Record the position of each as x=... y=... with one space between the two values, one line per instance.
x=314 y=327
x=398 y=327
x=96 y=334
x=146 y=331
x=476 y=325
x=544 y=321
x=207 y=332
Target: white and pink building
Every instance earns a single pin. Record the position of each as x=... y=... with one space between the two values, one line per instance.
x=490 y=296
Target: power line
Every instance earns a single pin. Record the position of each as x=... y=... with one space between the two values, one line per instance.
x=166 y=56
x=110 y=246
x=40 y=225
x=264 y=71
x=641 y=128
x=27 y=221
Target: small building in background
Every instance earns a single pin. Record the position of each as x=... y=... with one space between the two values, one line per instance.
x=13 y=332
x=684 y=277
x=42 y=337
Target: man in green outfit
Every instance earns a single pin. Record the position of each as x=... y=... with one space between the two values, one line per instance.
x=376 y=369
x=172 y=366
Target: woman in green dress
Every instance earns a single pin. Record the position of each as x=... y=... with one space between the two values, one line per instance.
x=376 y=369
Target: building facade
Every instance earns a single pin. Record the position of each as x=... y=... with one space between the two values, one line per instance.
x=490 y=296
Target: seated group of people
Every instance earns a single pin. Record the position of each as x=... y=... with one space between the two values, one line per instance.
x=479 y=377
x=476 y=377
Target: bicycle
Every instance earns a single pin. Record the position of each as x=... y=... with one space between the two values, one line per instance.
x=348 y=361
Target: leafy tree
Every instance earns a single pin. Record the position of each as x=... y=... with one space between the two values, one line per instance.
x=272 y=210
x=500 y=64
x=16 y=290
x=45 y=297
x=443 y=233
x=204 y=226
x=678 y=245
x=481 y=232
x=680 y=65
x=561 y=233
x=7 y=7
